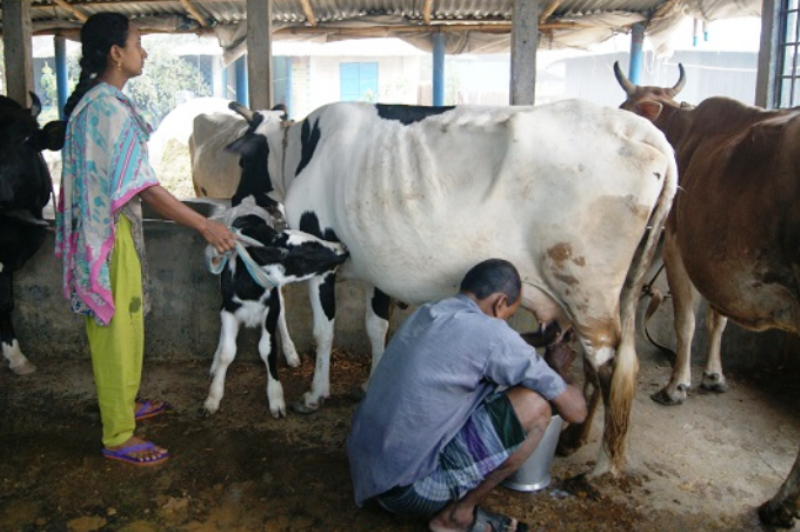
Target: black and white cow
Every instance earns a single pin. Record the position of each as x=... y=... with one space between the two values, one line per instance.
x=250 y=284
x=25 y=188
x=572 y=193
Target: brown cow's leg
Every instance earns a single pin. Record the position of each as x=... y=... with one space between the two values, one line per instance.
x=782 y=509
x=680 y=286
x=713 y=378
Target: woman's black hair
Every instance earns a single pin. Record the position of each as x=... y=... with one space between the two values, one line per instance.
x=493 y=276
x=98 y=34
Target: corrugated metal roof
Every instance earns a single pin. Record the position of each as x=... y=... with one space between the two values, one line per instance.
x=354 y=18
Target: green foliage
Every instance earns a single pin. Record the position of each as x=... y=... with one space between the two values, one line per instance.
x=49 y=86
x=168 y=80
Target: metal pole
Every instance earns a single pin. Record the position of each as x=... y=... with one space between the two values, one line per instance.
x=637 y=43
x=242 y=95
x=62 y=81
x=438 y=68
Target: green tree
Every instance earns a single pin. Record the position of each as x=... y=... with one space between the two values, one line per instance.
x=49 y=86
x=168 y=80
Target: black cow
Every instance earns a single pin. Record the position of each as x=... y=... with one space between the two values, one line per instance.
x=25 y=188
x=266 y=259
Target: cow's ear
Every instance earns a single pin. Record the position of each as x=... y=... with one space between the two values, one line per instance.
x=244 y=145
x=52 y=135
x=282 y=108
x=649 y=109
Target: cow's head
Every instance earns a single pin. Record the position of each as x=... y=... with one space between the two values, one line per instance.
x=657 y=104
x=26 y=180
x=254 y=154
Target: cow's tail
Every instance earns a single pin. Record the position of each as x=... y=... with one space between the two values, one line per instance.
x=623 y=382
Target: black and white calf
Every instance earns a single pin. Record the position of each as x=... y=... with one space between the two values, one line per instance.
x=25 y=188
x=266 y=259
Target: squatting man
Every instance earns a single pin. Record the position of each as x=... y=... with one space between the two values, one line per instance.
x=458 y=402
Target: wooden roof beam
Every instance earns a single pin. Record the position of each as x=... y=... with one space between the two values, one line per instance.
x=309 y=13
x=195 y=14
x=77 y=13
x=427 y=8
x=549 y=10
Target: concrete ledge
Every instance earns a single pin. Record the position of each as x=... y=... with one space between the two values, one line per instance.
x=184 y=321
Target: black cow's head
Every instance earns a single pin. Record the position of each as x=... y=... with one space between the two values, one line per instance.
x=25 y=182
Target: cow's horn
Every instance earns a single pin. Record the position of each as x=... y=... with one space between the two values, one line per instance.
x=626 y=84
x=36 y=104
x=681 y=80
x=236 y=107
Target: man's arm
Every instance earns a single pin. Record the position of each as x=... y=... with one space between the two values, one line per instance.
x=571 y=405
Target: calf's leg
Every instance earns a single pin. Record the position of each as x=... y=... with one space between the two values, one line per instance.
x=226 y=352
x=11 y=351
x=289 y=349
x=269 y=354
x=321 y=291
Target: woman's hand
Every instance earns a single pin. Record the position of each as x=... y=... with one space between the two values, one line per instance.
x=173 y=209
x=218 y=236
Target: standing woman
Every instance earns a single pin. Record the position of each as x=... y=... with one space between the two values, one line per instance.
x=99 y=227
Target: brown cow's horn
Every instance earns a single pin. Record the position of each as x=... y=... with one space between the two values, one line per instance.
x=236 y=107
x=626 y=84
x=681 y=80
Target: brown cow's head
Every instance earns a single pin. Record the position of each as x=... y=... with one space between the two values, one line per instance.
x=643 y=100
x=657 y=104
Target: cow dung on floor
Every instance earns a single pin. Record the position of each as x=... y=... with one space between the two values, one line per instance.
x=705 y=465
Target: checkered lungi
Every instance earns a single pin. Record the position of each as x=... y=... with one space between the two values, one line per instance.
x=486 y=440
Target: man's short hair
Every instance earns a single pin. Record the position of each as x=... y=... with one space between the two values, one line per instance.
x=492 y=276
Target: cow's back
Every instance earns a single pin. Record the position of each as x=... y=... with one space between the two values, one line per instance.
x=736 y=215
x=564 y=191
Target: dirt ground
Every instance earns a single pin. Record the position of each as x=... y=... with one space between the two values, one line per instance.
x=705 y=466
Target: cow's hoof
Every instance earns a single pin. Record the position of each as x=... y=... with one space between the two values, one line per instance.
x=663 y=397
x=26 y=368
x=307 y=406
x=773 y=514
x=714 y=382
x=278 y=411
x=292 y=360
x=211 y=406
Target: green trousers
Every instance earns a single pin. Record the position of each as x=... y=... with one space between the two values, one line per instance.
x=118 y=348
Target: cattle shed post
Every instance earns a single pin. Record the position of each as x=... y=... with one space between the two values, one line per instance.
x=768 y=54
x=259 y=53
x=637 y=42
x=18 y=49
x=524 y=43
x=62 y=82
x=438 y=68
x=240 y=68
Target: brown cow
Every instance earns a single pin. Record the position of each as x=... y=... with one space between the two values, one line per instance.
x=734 y=228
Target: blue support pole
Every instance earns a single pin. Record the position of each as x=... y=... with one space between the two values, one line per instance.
x=242 y=94
x=637 y=43
x=288 y=60
x=62 y=82
x=438 y=68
